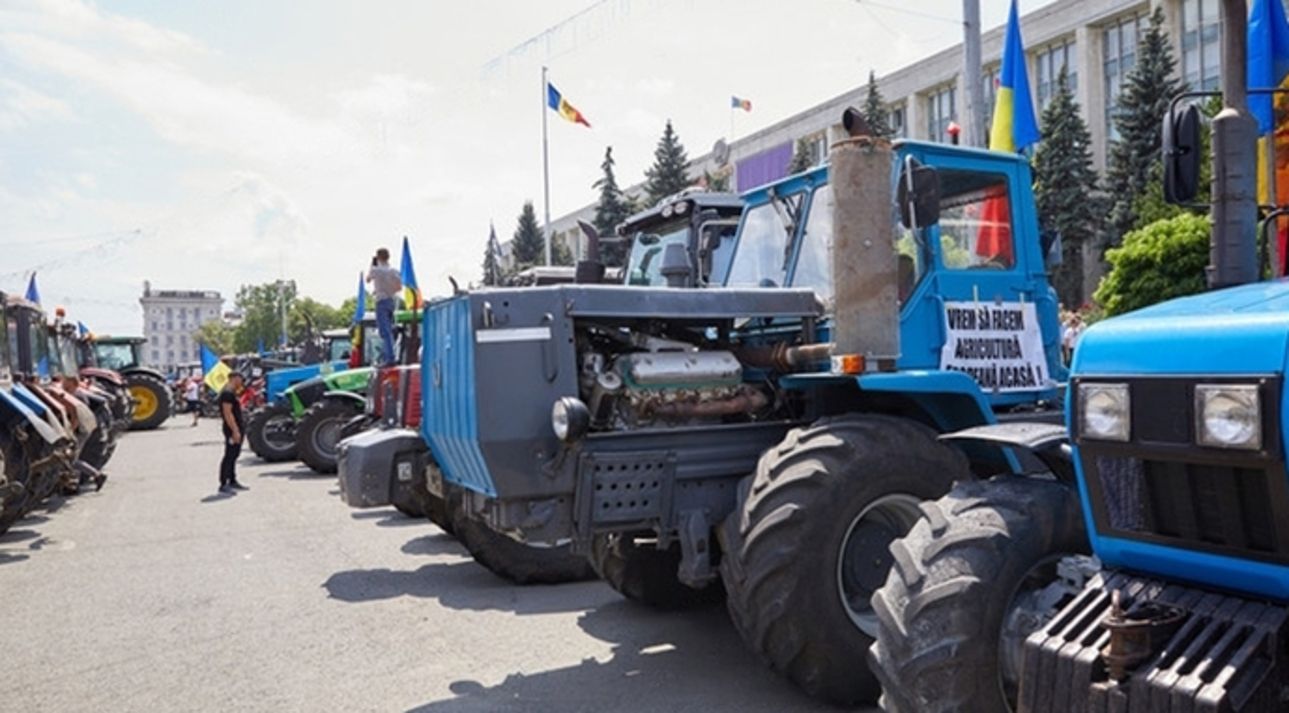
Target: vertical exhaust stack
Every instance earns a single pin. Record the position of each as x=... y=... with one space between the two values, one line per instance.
x=866 y=320
x=1233 y=252
x=590 y=269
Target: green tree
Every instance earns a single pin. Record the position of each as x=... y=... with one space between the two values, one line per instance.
x=718 y=182
x=1065 y=188
x=667 y=175
x=1143 y=102
x=348 y=307
x=1158 y=262
x=217 y=335
x=803 y=156
x=309 y=315
x=875 y=111
x=529 y=246
x=262 y=307
x=612 y=209
x=493 y=275
x=561 y=253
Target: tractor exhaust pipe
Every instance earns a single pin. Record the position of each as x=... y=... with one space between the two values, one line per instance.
x=1233 y=254
x=590 y=270
x=866 y=322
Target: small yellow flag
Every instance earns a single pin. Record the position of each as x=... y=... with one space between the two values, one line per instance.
x=218 y=376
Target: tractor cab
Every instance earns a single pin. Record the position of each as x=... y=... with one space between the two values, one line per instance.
x=701 y=225
x=118 y=353
x=147 y=386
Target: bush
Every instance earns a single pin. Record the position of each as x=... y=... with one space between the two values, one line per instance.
x=1160 y=261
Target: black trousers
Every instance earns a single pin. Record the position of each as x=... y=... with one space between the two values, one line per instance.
x=228 y=466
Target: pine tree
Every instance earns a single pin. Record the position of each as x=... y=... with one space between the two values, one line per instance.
x=529 y=246
x=875 y=111
x=803 y=156
x=1143 y=102
x=1065 y=188
x=667 y=175
x=612 y=209
x=492 y=272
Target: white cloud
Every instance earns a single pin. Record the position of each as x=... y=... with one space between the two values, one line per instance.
x=22 y=106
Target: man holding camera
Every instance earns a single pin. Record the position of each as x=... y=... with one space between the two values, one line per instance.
x=386 y=285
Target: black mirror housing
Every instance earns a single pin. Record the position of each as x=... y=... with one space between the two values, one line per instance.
x=920 y=203
x=1182 y=154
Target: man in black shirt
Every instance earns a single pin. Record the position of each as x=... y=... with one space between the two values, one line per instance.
x=230 y=411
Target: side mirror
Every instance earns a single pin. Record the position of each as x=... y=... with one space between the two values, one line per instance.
x=1050 y=242
x=676 y=268
x=919 y=196
x=1182 y=154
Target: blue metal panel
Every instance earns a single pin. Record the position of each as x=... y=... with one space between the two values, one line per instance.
x=1241 y=330
x=450 y=415
x=278 y=381
x=32 y=401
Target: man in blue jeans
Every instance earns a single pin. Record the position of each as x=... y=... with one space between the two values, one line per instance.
x=386 y=285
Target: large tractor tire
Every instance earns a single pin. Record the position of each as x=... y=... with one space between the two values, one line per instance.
x=645 y=574
x=513 y=560
x=807 y=543
x=318 y=433
x=437 y=510
x=16 y=464
x=151 y=401
x=270 y=432
x=983 y=561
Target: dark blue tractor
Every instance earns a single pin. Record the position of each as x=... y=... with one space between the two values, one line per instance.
x=1145 y=567
x=768 y=440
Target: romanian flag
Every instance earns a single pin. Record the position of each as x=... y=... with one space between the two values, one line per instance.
x=744 y=104
x=1268 y=67
x=561 y=106
x=407 y=273
x=1015 y=126
x=356 y=338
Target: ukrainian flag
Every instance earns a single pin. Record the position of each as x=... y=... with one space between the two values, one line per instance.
x=214 y=371
x=356 y=326
x=407 y=273
x=1015 y=126
x=556 y=101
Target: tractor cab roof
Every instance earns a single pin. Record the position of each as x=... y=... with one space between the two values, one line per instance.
x=683 y=203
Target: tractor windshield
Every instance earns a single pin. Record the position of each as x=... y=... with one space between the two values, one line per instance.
x=67 y=356
x=38 y=336
x=338 y=349
x=11 y=337
x=975 y=221
x=55 y=354
x=761 y=255
x=645 y=266
x=114 y=356
x=6 y=338
x=814 y=258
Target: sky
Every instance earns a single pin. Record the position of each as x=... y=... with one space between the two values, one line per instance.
x=211 y=144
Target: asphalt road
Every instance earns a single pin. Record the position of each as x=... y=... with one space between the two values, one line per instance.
x=158 y=594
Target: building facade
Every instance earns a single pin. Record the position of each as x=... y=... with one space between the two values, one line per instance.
x=170 y=321
x=1094 y=41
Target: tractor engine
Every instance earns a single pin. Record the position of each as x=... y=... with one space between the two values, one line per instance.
x=668 y=383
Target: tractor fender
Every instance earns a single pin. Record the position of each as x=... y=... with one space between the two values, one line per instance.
x=1048 y=442
x=144 y=370
x=38 y=423
x=346 y=396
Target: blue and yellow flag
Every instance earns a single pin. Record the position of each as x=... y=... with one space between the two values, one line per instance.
x=407 y=273
x=33 y=294
x=556 y=101
x=1015 y=126
x=356 y=326
x=1268 y=67
x=214 y=372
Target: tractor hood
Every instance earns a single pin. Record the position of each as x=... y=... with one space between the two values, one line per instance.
x=1240 y=330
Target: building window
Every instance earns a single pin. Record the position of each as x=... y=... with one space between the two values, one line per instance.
x=1119 y=50
x=156 y=356
x=992 y=79
x=1050 y=61
x=899 y=126
x=170 y=340
x=1200 y=43
x=196 y=313
x=170 y=356
x=941 y=111
x=170 y=313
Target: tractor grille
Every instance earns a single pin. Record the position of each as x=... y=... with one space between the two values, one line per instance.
x=450 y=416
x=1225 y=509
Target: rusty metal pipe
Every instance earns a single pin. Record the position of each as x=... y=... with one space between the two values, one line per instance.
x=748 y=401
x=782 y=357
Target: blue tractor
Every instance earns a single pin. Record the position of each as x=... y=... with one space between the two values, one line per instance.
x=765 y=441
x=1170 y=471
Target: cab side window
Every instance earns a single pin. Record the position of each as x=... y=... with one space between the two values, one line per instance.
x=975 y=221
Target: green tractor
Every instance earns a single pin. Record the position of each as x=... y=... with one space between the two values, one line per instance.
x=124 y=355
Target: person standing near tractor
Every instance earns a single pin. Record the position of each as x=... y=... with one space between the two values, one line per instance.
x=230 y=411
x=192 y=395
x=386 y=285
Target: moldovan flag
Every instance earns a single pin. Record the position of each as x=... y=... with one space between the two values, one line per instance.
x=1268 y=67
x=561 y=106
x=215 y=371
x=407 y=273
x=737 y=103
x=1014 y=128
x=356 y=325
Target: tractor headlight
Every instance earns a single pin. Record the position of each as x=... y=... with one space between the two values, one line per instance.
x=570 y=419
x=1228 y=416
x=1104 y=411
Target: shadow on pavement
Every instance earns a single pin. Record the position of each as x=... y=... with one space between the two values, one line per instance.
x=300 y=473
x=18 y=535
x=388 y=517
x=439 y=543
x=462 y=585
x=216 y=497
x=660 y=661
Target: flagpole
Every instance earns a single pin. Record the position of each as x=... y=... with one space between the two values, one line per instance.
x=546 y=170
